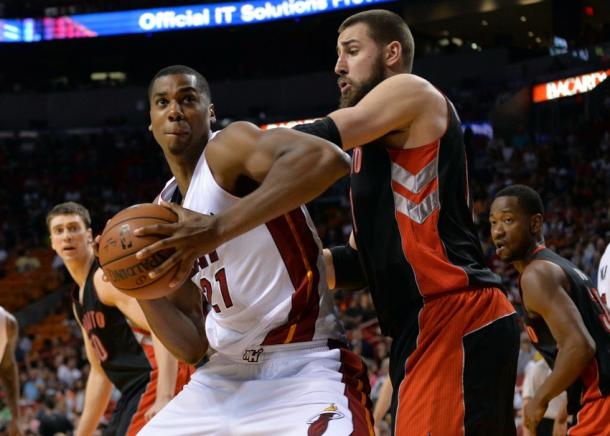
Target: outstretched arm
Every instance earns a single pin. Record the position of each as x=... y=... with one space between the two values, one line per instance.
x=343 y=267
x=393 y=105
x=9 y=373
x=545 y=292
x=289 y=167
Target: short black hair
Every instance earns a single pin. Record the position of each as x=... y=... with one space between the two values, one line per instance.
x=529 y=199
x=384 y=27
x=70 y=208
x=200 y=82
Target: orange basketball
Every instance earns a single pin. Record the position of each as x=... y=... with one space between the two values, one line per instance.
x=118 y=247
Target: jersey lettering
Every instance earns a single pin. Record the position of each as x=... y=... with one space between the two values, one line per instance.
x=604 y=315
x=203 y=260
x=208 y=289
x=98 y=347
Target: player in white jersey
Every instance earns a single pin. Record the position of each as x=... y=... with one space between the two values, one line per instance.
x=278 y=365
x=9 y=375
x=603 y=277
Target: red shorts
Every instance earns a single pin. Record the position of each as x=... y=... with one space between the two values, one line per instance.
x=459 y=378
x=593 y=419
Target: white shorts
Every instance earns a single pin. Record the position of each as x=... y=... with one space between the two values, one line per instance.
x=305 y=392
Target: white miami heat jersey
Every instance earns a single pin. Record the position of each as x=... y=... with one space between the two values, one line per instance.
x=266 y=287
x=3 y=332
x=603 y=277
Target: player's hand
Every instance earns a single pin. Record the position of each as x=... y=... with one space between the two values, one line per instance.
x=560 y=426
x=155 y=408
x=192 y=236
x=533 y=413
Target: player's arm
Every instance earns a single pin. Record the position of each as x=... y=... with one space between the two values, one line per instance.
x=560 y=425
x=177 y=321
x=289 y=169
x=168 y=373
x=9 y=373
x=343 y=267
x=545 y=292
x=166 y=362
x=393 y=105
x=528 y=388
x=384 y=401
x=97 y=393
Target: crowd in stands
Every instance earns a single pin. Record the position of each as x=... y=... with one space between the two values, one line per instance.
x=109 y=170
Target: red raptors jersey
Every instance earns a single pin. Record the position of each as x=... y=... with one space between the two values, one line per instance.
x=413 y=225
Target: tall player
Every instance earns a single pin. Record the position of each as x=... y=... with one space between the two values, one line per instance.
x=565 y=317
x=278 y=366
x=118 y=343
x=9 y=375
x=455 y=335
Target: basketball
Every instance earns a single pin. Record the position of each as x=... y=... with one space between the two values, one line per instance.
x=118 y=247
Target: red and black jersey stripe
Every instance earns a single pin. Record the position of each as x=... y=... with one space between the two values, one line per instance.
x=414 y=227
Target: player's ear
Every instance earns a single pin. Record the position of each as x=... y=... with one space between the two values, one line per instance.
x=536 y=224
x=150 y=127
x=89 y=236
x=392 y=53
x=212 y=113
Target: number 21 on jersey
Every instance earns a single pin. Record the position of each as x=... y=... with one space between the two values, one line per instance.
x=221 y=280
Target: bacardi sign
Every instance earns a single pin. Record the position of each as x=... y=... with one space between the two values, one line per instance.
x=569 y=86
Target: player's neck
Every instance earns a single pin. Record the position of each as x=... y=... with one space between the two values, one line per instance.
x=183 y=168
x=525 y=260
x=79 y=268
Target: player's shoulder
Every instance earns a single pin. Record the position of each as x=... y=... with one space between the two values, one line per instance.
x=12 y=326
x=541 y=271
x=410 y=83
x=228 y=140
x=234 y=130
x=106 y=292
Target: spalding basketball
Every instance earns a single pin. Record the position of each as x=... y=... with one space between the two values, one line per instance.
x=118 y=247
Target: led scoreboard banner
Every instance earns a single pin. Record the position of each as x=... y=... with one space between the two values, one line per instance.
x=166 y=19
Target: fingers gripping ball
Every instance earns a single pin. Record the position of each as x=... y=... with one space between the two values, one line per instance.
x=118 y=247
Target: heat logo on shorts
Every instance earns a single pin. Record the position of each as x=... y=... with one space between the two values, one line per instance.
x=319 y=424
x=252 y=355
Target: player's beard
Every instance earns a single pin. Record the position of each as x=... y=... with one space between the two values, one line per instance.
x=357 y=93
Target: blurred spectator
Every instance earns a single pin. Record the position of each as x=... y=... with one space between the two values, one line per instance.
x=67 y=372
x=535 y=375
x=526 y=355
x=52 y=419
x=26 y=262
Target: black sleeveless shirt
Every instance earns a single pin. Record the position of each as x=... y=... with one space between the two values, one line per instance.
x=595 y=379
x=413 y=225
x=117 y=346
